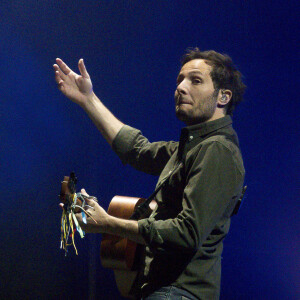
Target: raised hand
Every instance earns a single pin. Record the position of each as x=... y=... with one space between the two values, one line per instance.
x=79 y=89
x=76 y=87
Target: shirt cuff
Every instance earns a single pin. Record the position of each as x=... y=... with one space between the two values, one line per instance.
x=143 y=227
x=148 y=232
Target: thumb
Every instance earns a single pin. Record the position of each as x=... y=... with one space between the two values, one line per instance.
x=82 y=69
x=83 y=192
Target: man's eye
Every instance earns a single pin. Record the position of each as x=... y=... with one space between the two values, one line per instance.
x=196 y=80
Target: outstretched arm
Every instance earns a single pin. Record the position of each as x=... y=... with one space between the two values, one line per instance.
x=79 y=89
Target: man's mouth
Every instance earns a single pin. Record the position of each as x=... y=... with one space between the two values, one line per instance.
x=183 y=101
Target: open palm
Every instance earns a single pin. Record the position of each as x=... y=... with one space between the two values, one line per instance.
x=76 y=87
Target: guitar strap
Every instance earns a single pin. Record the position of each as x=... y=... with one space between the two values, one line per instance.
x=144 y=207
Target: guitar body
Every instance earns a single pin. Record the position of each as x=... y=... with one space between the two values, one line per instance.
x=119 y=253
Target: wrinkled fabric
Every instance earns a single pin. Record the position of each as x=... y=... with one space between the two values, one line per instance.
x=170 y=293
x=184 y=234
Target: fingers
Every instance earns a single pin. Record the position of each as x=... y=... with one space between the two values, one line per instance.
x=89 y=220
x=82 y=69
x=89 y=200
x=83 y=192
x=60 y=77
x=63 y=66
x=59 y=72
x=79 y=218
x=59 y=80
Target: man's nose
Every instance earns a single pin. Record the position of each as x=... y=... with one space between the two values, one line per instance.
x=181 y=89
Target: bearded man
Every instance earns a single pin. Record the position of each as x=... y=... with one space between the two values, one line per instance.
x=183 y=237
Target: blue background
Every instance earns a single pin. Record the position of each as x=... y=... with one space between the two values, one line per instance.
x=132 y=51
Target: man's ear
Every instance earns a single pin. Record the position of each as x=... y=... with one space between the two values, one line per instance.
x=224 y=97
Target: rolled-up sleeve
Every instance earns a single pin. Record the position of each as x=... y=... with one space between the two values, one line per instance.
x=213 y=183
x=135 y=149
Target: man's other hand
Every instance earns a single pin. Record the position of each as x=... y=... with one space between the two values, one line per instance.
x=97 y=214
x=77 y=88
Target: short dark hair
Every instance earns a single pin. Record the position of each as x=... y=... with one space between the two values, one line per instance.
x=224 y=74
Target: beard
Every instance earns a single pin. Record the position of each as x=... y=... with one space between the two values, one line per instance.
x=202 y=112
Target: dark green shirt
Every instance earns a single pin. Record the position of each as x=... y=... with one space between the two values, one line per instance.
x=184 y=234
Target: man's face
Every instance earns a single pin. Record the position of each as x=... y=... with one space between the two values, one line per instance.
x=195 y=97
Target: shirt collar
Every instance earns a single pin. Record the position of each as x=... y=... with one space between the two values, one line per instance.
x=203 y=129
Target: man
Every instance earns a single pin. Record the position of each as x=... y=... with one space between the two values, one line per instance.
x=184 y=235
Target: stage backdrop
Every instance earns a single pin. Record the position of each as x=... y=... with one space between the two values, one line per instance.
x=132 y=51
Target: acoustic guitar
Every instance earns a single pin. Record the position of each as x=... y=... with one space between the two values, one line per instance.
x=117 y=253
